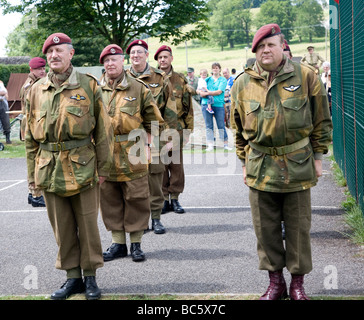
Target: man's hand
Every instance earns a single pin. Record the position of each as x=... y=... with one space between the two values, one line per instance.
x=102 y=179
x=318 y=168
x=244 y=174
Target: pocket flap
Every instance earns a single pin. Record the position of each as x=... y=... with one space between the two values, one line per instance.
x=301 y=155
x=78 y=111
x=251 y=106
x=295 y=103
x=82 y=159
x=43 y=162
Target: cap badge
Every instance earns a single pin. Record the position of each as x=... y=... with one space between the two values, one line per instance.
x=139 y=42
x=273 y=30
x=56 y=39
x=112 y=50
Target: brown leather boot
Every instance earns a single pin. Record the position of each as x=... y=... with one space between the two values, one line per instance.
x=277 y=288
x=296 y=290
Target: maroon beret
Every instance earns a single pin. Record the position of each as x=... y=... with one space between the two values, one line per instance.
x=286 y=46
x=56 y=39
x=267 y=31
x=37 y=62
x=110 y=49
x=137 y=43
x=162 y=48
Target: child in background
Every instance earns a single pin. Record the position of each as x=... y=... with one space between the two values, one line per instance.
x=202 y=86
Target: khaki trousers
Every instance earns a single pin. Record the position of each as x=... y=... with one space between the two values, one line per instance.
x=268 y=210
x=74 y=223
x=125 y=205
x=155 y=180
x=174 y=178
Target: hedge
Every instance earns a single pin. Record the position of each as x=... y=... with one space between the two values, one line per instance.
x=7 y=69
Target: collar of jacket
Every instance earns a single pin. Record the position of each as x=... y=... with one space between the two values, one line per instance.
x=72 y=82
x=123 y=85
x=283 y=74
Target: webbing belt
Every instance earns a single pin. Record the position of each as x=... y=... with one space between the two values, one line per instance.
x=65 y=145
x=279 y=151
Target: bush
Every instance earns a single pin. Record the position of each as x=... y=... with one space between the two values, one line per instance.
x=7 y=69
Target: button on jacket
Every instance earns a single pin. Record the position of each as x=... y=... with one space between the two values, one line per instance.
x=69 y=139
x=280 y=128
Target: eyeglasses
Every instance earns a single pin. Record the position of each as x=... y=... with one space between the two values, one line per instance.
x=137 y=52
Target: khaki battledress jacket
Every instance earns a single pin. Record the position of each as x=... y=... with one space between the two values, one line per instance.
x=69 y=138
x=281 y=128
x=132 y=111
x=313 y=59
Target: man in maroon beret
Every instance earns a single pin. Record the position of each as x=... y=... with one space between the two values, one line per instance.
x=282 y=124
x=37 y=71
x=174 y=176
x=69 y=145
x=124 y=196
x=162 y=91
x=287 y=50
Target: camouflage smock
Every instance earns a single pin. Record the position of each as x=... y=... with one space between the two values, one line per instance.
x=72 y=115
x=162 y=92
x=131 y=107
x=292 y=113
x=183 y=95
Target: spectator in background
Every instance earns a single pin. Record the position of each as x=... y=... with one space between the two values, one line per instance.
x=325 y=74
x=233 y=73
x=4 y=107
x=313 y=59
x=193 y=82
x=202 y=86
x=230 y=82
x=327 y=85
x=216 y=85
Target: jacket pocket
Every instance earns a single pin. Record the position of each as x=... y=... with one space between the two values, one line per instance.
x=37 y=125
x=79 y=117
x=250 y=117
x=43 y=172
x=254 y=164
x=83 y=168
x=297 y=113
x=301 y=164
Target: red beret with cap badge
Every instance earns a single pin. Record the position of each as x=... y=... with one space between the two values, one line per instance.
x=56 y=39
x=110 y=49
x=136 y=43
x=267 y=31
x=162 y=48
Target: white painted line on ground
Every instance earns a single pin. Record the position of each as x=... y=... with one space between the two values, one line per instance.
x=12 y=185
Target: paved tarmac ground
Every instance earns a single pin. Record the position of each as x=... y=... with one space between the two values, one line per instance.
x=211 y=249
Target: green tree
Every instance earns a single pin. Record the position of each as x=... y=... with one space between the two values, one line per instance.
x=280 y=12
x=119 y=21
x=25 y=41
x=309 y=16
x=230 y=22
